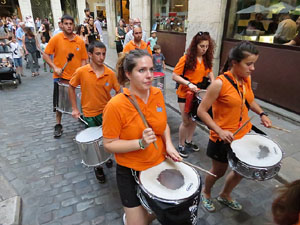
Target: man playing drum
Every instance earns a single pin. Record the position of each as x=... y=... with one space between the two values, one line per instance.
x=96 y=81
x=230 y=95
x=62 y=45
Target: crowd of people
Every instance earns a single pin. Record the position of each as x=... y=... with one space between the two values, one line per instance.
x=136 y=145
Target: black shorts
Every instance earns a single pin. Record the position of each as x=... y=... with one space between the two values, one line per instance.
x=55 y=94
x=127 y=187
x=181 y=100
x=218 y=151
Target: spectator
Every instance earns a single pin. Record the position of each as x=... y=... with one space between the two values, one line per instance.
x=129 y=35
x=59 y=29
x=3 y=37
x=286 y=30
x=120 y=35
x=129 y=26
x=43 y=47
x=82 y=32
x=31 y=46
x=37 y=23
x=152 y=40
x=98 y=25
x=273 y=25
x=17 y=55
x=286 y=207
x=45 y=31
x=93 y=34
x=29 y=23
x=257 y=24
x=87 y=14
x=158 y=59
x=20 y=33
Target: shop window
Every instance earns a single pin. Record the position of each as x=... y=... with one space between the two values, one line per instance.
x=169 y=15
x=268 y=21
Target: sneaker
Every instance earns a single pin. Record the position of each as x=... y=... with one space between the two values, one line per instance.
x=233 y=204
x=100 y=174
x=51 y=70
x=182 y=152
x=109 y=163
x=58 y=129
x=124 y=219
x=207 y=203
x=191 y=146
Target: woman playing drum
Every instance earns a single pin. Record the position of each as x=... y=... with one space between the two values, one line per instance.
x=230 y=111
x=126 y=135
x=189 y=73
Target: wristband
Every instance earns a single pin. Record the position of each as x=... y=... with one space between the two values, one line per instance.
x=263 y=113
x=141 y=144
x=188 y=83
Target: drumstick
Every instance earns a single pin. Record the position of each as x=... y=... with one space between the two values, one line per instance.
x=69 y=58
x=83 y=120
x=279 y=128
x=142 y=115
x=199 y=168
x=238 y=130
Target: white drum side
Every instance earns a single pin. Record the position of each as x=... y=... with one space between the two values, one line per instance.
x=89 y=134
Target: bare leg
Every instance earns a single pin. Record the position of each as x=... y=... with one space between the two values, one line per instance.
x=219 y=169
x=232 y=180
x=185 y=126
x=138 y=216
x=58 y=117
x=191 y=131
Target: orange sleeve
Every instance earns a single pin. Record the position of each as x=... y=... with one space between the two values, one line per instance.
x=50 y=46
x=115 y=83
x=126 y=48
x=111 y=126
x=149 y=50
x=75 y=80
x=179 y=66
x=84 y=54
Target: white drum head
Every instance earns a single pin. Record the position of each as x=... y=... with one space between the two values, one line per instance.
x=257 y=150
x=89 y=134
x=151 y=180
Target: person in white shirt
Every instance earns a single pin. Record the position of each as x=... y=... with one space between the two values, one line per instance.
x=97 y=24
x=17 y=55
x=59 y=29
x=129 y=35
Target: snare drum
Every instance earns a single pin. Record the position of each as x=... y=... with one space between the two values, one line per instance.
x=255 y=157
x=64 y=103
x=159 y=81
x=90 y=146
x=196 y=102
x=172 y=191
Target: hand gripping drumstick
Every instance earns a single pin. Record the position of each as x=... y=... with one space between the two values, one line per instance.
x=69 y=58
x=199 y=168
x=135 y=104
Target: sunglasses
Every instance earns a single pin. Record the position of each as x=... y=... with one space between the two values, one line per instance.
x=200 y=33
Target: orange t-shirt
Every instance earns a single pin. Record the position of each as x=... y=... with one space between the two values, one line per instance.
x=121 y=120
x=227 y=107
x=61 y=46
x=132 y=46
x=95 y=92
x=194 y=77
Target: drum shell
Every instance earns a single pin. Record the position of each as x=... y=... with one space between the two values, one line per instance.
x=195 y=104
x=64 y=103
x=93 y=153
x=159 y=82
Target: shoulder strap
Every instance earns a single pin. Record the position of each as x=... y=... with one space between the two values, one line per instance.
x=236 y=88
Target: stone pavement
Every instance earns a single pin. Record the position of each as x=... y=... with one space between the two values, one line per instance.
x=56 y=189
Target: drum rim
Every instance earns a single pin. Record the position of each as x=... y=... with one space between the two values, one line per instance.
x=66 y=85
x=177 y=201
x=279 y=162
x=198 y=92
x=88 y=142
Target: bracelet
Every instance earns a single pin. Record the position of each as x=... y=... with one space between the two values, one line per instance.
x=141 y=144
x=263 y=114
x=188 y=83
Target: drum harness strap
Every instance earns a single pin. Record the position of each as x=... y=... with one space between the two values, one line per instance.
x=254 y=128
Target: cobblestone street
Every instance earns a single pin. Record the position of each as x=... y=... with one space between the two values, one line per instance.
x=56 y=189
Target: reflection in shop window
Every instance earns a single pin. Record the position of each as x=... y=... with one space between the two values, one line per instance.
x=169 y=15
x=269 y=21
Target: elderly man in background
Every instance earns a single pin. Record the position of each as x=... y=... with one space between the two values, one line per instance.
x=59 y=29
x=129 y=35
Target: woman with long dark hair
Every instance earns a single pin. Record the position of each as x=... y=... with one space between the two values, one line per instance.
x=230 y=95
x=191 y=72
x=31 y=46
x=82 y=32
x=120 y=35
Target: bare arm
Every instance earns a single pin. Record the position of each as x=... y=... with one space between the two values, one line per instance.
x=291 y=42
x=171 y=151
x=182 y=81
x=257 y=109
x=72 y=97
x=211 y=76
x=23 y=40
x=211 y=95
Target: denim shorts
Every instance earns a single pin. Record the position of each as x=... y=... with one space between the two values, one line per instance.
x=18 y=62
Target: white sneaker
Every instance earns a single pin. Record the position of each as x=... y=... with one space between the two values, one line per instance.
x=124 y=219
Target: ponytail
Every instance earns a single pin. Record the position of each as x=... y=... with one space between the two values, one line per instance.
x=122 y=78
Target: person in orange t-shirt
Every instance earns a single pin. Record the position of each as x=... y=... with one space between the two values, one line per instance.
x=286 y=207
x=61 y=45
x=96 y=82
x=229 y=113
x=190 y=71
x=137 y=42
x=125 y=134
